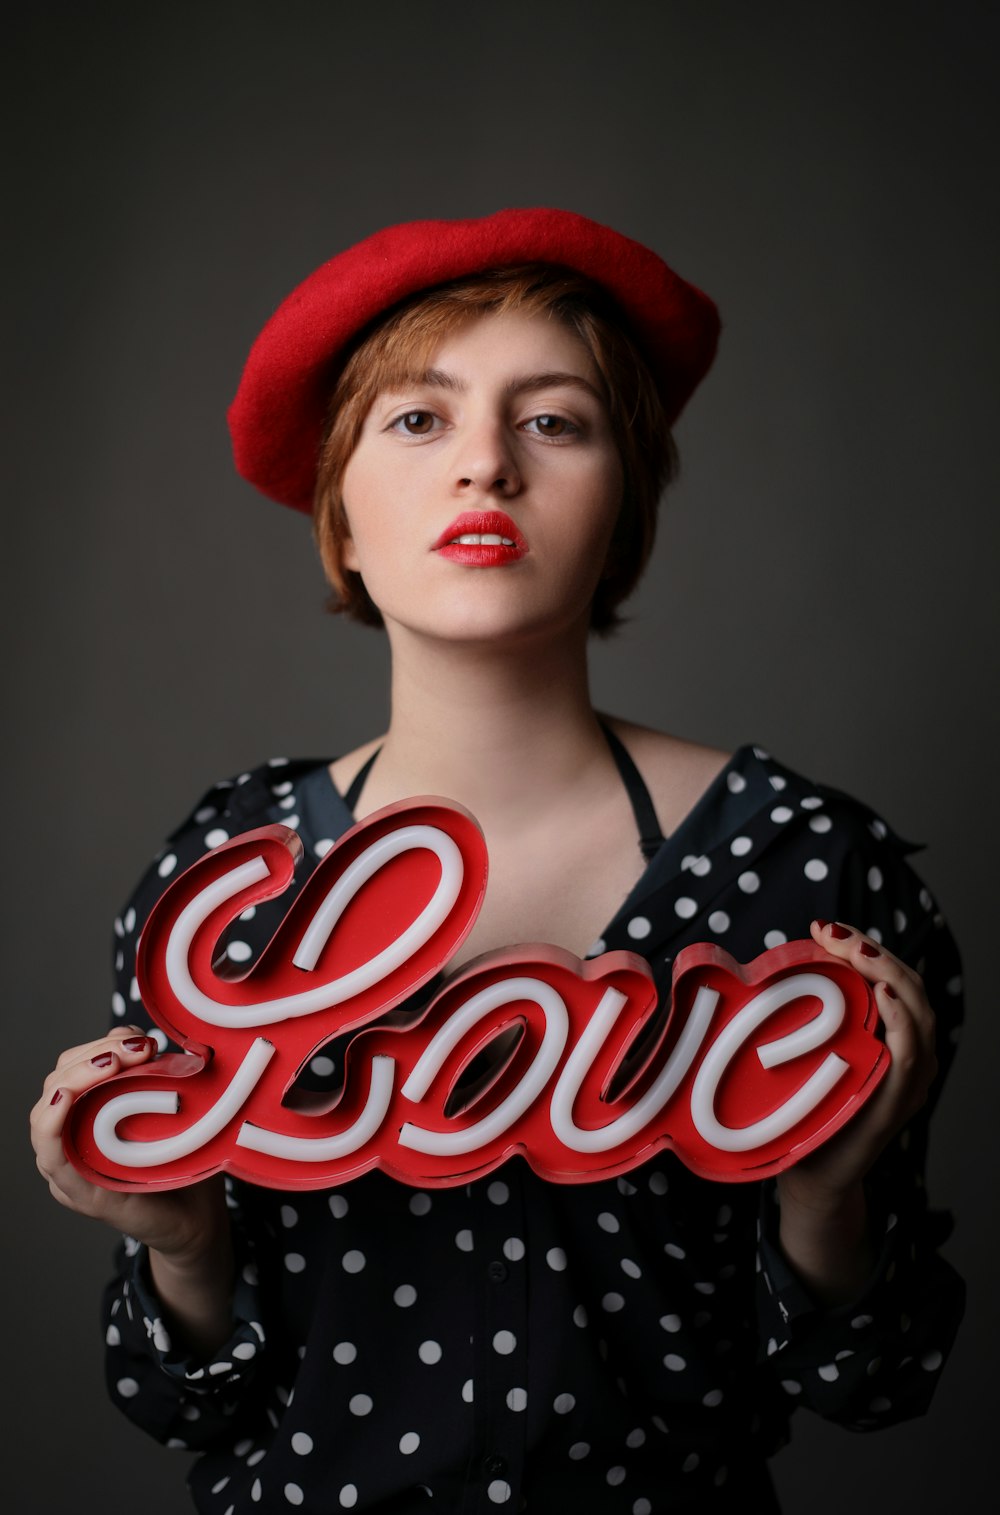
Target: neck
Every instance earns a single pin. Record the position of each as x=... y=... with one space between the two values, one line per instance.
x=471 y=721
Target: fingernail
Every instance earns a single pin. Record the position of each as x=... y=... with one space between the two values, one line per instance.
x=103 y=1059
x=840 y=932
x=56 y=1097
x=136 y=1043
x=889 y=991
x=820 y=924
x=867 y=950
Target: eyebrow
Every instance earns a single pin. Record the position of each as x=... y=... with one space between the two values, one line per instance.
x=438 y=378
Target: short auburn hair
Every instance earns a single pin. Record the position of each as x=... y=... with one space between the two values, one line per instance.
x=399 y=348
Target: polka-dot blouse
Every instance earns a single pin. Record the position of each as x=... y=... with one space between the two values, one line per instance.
x=624 y=1347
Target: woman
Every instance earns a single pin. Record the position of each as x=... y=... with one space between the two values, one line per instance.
x=480 y=412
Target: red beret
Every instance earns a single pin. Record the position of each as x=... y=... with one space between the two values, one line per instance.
x=277 y=418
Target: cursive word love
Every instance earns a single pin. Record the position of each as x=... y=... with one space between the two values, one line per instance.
x=747 y=1069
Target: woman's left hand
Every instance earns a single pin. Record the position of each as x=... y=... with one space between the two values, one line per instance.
x=823 y=1215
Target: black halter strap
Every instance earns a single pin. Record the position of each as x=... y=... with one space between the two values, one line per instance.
x=651 y=838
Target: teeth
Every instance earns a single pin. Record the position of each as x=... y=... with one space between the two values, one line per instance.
x=484 y=539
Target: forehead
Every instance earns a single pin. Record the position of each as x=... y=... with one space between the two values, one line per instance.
x=488 y=345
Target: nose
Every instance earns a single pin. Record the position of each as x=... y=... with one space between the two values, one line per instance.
x=486 y=462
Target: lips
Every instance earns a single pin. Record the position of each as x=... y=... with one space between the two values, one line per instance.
x=481 y=539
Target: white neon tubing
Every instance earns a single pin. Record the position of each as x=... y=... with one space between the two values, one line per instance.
x=167 y=1149
x=805 y=1039
x=448 y=1143
x=317 y=933
x=663 y=1088
x=308 y=1149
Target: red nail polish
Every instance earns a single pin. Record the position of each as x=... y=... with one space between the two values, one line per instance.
x=103 y=1059
x=869 y=951
x=56 y=1097
x=840 y=932
x=136 y=1043
x=889 y=991
x=820 y=924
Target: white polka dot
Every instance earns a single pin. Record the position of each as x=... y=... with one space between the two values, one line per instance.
x=289 y=1217
x=133 y=989
x=344 y=1352
x=638 y=927
x=130 y=919
x=498 y=1193
x=631 y=1268
x=931 y=1361
x=899 y=920
x=498 y=1491
x=513 y=1249
x=294 y=1262
x=255 y=1491
x=118 y=1003
x=217 y=1488
x=516 y=1399
x=420 y=1204
x=167 y=865
x=875 y=879
x=113 y=1336
x=288 y=803
x=774 y=938
x=467 y=1391
x=820 y=824
x=348 y=1496
x=616 y=1476
x=874 y=933
x=360 y=1404
x=673 y=1250
x=749 y=882
x=405 y=1296
x=290 y=821
x=791 y=1386
x=322 y=1066
x=777 y=782
x=829 y=1372
x=686 y=907
x=635 y=1438
x=579 y=1450
x=216 y=838
x=239 y=952
x=608 y=1222
x=205 y=814
x=563 y=1403
x=556 y=1259
x=642 y=1507
x=700 y=866
x=409 y=1443
x=740 y=846
x=504 y=1342
x=243 y=1447
x=816 y=870
x=712 y=1398
x=463 y=1241
x=735 y=783
x=612 y=1303
x=249 y=913
x=879 y=829
x=658 y=1182
x=322 y=847
x=670 y=1322
x=718 y=921
x=429 y=1352
x=127 y=1388
x=338 y=1206
x=580 y=1316
x=293 y=1493
x=690 y=1462
x=674 y=1363
x=861 y=1321
x=880 y=1405
x=780 y=814
x=244 y=1350
x=353 y=1261
x=624 y=1187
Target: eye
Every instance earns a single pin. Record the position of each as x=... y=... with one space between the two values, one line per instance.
x=415 y=423
x=555 y=427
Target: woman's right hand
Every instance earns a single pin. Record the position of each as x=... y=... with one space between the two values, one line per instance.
x=181 y=1224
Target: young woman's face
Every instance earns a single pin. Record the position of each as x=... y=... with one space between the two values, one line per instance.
x=482 y=497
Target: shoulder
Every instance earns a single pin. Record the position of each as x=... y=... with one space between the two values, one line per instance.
x=675 y=771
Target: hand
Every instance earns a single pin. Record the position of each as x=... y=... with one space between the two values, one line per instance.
x=824 y=1220
x=182 y=1224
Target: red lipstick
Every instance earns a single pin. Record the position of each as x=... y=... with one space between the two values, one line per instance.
x=503 y=544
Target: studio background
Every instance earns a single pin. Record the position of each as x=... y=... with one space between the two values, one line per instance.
x=823 y=583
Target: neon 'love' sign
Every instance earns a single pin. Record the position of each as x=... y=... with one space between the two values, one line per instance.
x=752 y=1066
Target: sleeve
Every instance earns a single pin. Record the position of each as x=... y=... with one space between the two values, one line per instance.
x=876 y=1361
x=183 y=1401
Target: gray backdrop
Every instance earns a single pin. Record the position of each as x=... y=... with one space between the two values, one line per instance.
x=823 y=582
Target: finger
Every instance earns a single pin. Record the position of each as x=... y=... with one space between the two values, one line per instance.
x=914 y=1059
x=875 y=963
x=95 y=1060
x=116 y=1034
